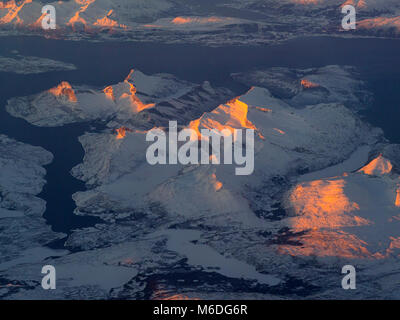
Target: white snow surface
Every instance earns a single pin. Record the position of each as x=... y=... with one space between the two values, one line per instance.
x=24 y=231
x=32 y=65
x=248 y=22
x=204 y=218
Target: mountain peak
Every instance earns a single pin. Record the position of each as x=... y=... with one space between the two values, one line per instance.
x=378 y=166
x=64 y=90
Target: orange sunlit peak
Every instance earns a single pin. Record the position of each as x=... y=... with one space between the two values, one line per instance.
x=13 y=10
x=164 y=295
x=378 y=166
x=321 y=210
x=397 y=201
x=235 y=114
x=38 y=22
x=107 y=22
x=129 y=76
x=279 y=131
x=217 y=184
x=186 y=20
x=380 y=22
x=64 y=89
x=355 y=3
x=348 y=2
x=235 y=109
x=121 y=133
x=323 y=204
x=180 y=20
x=109 y=92
x=361 y=4
x=240 y=110
x=85 y=2
x=329 y=244
x=8 y=5
x=307 y=84
x=394 y=246
x=136 y=103
x=76 y=18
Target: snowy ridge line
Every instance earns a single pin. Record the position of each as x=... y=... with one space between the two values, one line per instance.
x=32 y=65
x=255 y=22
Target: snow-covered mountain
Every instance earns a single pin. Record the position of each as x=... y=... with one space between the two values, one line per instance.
x=122 y=19
x=31 y=65
x=177 y=21
x=302 y=87
x=375 y=17
x=140 y=99
x=24 y=231
x=342 y=212
x=324 y=193
x=83 y=13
